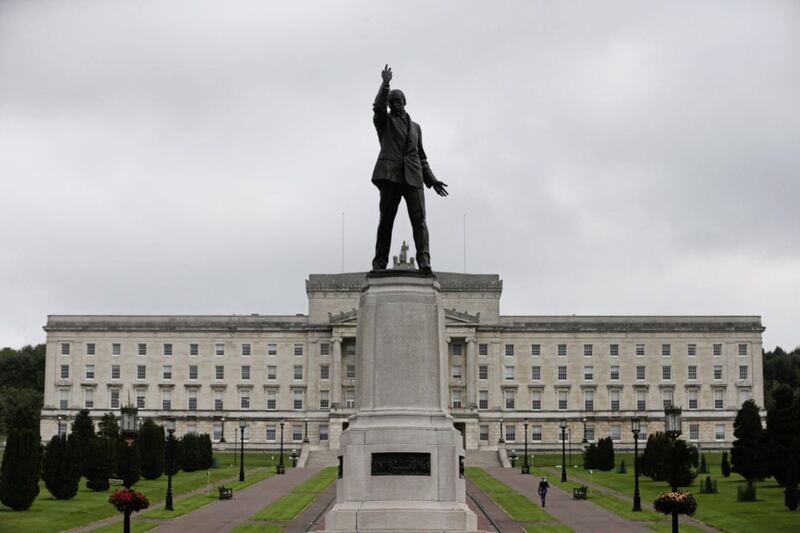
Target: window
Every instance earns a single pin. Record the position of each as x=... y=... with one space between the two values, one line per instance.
x=194 y=350
x=272 y=350
x=641 y=400
x=536 y=373
x=717 y=372
x=244 y=399
x=562 y=373
x=536 y=350
x=666 y=372
x=324 y=372
x=509 y=398
x=667 y=396
x=166 y=399
x=536 y=433
x=191 y=428
x=90 y=372
x=589 y=433
x=114 y=403
x=564 y=437
x=692 y=398
x=141 y=349
x=298 y=350
x=246 y=434
x=63 y=399
x=588 y=400
x=640 y=350
x=324 y=350
x=88 y=398
x=245 y=350
x=744 y=395
x=483 y=372
x=718 y=399
x=691 y=350
x=616 y=431
x=219 y=372
x=116 y=349
x=536 y=400
x=457 y=349
x=483 y=399
x=272 y=399
x=350 y=398
x=666 y=350
x=217 y=432
x=272 y=372
x=483 y=349
x=455 y=398
x=64 y=371
x=350 y=372
x=297 y=399
x=324 y=399
x=455 y=371
x=588 y=373
x=191 y=397
x=167 y=350
x=324 y=432
x=297 y=373
x=742 y=372
x=587 y=350
x=614 y=350
x=272 y=434
x=141 y=372
x=694 y=431
x=614 y=400
x=614 y=373
x=562 y=400
x=192 y=372
x=140 y=397
x=717 y=350
x=90 y=348
x=167 y=372
x=511 y=433
x=64 y=348
x=219 y=349
x=692 y=373
x=115 y=372
x=640 y=373
x=219 y=403
x=509 y=350
x=483 y=432
x=562 y=350
x=509 y=373
x=719 y=432
x=742 y=350
x=245 y=372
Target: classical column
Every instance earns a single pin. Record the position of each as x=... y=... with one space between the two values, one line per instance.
x=471 y=374
x=336 y=374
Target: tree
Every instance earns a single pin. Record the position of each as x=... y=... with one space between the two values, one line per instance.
x=590 y=457
x=656 y=460
x=128 y=468
x=98 y=470
x=746 y=455
x=151 y=440
x=81 y=435
x=19 y=473
x=605 y=454
x=60 y=471
x=780 y=368
x=20 y=409
x=21 y=386
x=783 y=424
x=703 y=465
x=108 y=429
x=726 y=465
x=206 y=452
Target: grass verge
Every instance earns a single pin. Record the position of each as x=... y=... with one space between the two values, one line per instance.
x=287 y=507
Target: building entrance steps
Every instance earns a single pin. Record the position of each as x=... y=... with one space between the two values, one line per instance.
x=481 y=458
x=322 y=458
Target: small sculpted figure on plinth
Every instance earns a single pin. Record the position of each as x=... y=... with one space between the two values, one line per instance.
x=400 y=172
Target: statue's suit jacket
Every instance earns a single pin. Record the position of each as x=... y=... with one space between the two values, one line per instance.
x=402 y=158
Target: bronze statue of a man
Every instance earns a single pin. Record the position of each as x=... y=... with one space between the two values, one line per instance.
x=400 y=172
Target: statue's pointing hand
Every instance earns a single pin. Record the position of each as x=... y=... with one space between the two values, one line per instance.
x=386 y=74
x=440 y=188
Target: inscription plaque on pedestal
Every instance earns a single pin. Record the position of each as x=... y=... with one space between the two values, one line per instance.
x=401 y=464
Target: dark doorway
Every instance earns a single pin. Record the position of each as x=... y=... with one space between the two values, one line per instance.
x=345 y=425
x=462 y=428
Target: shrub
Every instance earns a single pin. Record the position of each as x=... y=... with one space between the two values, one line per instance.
x=590 y=457
x=206 y=452
x=128 y=463
x=746 y=493
x=19 y=473
x=189 y=456
x=747 y=454
x=151 y=441
x=81 y=435
x=679 y=501
x=708 y=486
x=621 y=468
x=790 y=496
x=703 y=465
x=98 y=470
x=726 y=465
x=60 y=469
x=656 y=461
x=605 y=454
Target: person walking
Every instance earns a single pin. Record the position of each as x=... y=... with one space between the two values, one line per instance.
x=543 y=486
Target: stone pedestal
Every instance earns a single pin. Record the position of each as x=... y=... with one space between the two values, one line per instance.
x=401 y=455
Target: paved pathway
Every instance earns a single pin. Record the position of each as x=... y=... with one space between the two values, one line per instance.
x=580 y=515
x=225 y=515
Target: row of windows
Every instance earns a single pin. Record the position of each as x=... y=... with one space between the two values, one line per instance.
x=194 y=349
x=589 y=350
x=510 y=433
x=219 y=372
x=456 y=372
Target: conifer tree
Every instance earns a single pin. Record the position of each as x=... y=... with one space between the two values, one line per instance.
x=98 y=470
x=60 y=470
x=151 y=442
x=746 y=454
x=726 y=465
x=19 y=473
x=81 y=435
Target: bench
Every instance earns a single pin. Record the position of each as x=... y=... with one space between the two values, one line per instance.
x=579 y=493
x=114 y=482
x=225 y=493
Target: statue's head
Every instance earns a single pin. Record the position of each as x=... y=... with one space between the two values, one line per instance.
x=397 y=101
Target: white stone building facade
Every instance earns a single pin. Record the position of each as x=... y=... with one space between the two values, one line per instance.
x=207 y=372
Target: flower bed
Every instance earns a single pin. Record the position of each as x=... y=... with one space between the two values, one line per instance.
x=679 y=501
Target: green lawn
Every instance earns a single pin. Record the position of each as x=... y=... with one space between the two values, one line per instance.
x=258 y=528
x=548 y=528
x=288 y=507
x=515 y=505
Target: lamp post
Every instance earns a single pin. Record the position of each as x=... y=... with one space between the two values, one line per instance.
x=242 y=425
x=128 y=434
x=526 y=469
x=585 y=441
x=501 y=440
x=563 y=426
x=636 y=427
x=222 y=437
x=672 y=427
x=305 y=429
x=170 y=460
x=61 y=428
x=281 y=469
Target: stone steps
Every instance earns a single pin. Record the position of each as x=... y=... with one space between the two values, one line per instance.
x=322 y=458
x=482 y=458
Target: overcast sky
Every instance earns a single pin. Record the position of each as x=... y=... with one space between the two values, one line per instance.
x=161 y=157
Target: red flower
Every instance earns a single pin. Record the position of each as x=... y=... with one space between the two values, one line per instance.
x=128 y=500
